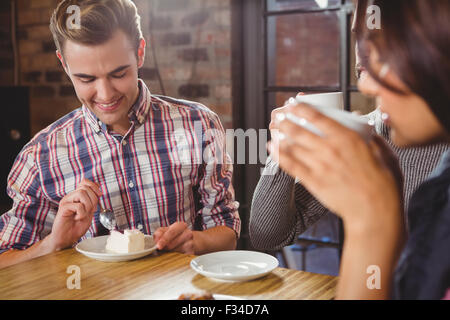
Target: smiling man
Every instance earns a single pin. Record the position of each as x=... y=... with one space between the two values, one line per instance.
x=120 y=151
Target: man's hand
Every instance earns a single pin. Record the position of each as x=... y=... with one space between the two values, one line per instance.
x=177 y=237
x=74 y=216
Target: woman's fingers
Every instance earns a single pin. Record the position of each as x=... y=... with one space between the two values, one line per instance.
x=273 y=116
x=330 y=128
x=295 y=133
x=335 y=142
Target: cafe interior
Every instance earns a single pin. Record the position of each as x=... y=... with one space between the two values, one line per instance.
x=241 y=59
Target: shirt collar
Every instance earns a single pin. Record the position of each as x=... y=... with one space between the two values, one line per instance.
x=138 y=112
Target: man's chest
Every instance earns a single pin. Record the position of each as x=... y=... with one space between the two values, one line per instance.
x=149 y=165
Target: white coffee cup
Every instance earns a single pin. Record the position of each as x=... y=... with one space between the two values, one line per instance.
x=331 y=105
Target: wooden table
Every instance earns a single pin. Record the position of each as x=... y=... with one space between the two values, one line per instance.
x=157 y=276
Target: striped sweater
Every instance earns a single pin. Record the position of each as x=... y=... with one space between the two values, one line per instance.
x=282 y=208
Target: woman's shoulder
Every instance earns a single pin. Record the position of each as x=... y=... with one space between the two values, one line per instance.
x=423 y=268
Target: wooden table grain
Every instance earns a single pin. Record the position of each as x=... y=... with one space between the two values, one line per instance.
x=159 y=276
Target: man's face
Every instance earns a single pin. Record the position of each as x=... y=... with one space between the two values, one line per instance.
x=105 y=77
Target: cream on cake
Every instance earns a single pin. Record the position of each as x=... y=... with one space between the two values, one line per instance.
x=131 y=240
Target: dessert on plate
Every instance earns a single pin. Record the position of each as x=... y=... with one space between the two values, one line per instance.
x=131 y=240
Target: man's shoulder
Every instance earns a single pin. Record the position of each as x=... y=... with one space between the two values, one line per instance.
x=186 y=105
x=59 y=127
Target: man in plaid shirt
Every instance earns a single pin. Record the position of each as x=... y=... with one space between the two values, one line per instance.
x=158 y=163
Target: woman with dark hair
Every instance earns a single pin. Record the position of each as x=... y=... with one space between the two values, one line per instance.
x=408 y=70
x=283 y=210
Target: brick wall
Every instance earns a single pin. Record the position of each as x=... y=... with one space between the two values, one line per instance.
x=6 y=51
x=192 y=42
x=191 y=39
x=306 y=52
x=307 y=49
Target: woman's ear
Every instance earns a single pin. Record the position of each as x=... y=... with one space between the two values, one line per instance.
x=141 y=52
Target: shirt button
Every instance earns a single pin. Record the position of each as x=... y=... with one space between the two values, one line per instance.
x=140 y=226
x=100 y=123
x=124 y=142
x=131 y=184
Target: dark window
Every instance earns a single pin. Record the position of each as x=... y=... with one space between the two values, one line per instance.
x=307 y=48
x=280 y=48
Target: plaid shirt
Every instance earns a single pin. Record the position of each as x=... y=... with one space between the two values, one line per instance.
x=170 y=166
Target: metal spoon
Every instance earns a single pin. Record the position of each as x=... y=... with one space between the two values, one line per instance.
x=107 y=219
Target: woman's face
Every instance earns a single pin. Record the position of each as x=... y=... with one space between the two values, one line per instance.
x=408 y=116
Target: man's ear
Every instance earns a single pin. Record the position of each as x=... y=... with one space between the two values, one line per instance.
x=141 y=52
x=61 y=59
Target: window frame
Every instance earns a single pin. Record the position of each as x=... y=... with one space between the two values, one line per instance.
x=344 y=10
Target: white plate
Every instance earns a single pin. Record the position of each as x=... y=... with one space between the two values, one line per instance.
x=95 y=248
x=234 y=265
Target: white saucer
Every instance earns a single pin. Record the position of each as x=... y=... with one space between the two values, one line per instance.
x=95 y=248
x=234 y=265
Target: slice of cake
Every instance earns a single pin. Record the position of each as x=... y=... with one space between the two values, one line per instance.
x=131 y=240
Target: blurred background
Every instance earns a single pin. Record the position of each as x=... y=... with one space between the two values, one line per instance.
x=241 y=58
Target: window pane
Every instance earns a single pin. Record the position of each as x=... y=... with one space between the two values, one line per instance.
x=303 y=49
x=280 y=5
x=361 y=103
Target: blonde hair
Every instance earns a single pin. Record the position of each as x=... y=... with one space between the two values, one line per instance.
x=98 y=20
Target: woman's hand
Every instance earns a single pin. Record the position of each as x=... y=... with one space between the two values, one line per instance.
x=273 y=118
x=349 y=176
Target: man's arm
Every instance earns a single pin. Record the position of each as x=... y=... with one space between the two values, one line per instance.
x=215 y=239
x=220 y=221
x=38 y=249
x=73 y=218
x=217 y=222
x=19 y=238
x=179 y=237
x=273 y=217
x=281 y=209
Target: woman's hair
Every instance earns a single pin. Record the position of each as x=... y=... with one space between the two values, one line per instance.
x=414 y=40
x=98 y=20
